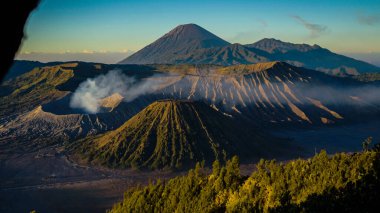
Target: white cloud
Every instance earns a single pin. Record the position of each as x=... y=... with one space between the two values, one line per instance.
x=315 y=30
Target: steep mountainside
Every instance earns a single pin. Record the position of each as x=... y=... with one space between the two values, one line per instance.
x=49 y=82
x=35 y=105
x=274 y=93
x=182 y=40
x=177 y=134
x=227 y=55
x=34 y=88
x=20 y=67
x=191 y=44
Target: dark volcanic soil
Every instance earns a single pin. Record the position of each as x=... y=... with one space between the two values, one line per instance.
x=47 y=181
x=333 y=139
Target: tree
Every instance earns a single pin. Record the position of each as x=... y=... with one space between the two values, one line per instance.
x=366 y=143
x=341 y=182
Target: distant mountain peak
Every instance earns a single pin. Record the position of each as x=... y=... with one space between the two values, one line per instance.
x=188 y=32
x=192 y=44
x=183 y=39
x=187 y=27
x=272 y=45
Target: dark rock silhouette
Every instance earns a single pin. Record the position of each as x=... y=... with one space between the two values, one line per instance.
x=13 y=21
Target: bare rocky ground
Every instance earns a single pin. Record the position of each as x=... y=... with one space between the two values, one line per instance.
x=48 y=181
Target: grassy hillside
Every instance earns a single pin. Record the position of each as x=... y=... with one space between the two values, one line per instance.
x=177 y=134
x=339 y=183
x=34 y=88
x=48 y=82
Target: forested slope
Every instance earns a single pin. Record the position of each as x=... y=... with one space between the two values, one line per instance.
x=339 y=183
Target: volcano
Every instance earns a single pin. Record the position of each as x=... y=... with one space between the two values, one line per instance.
x=176 y=134
x=192 y=44
x=182 y=40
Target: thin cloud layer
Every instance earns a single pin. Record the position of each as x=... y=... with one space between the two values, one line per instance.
x=85 y=55
x=369 y=19
x=315 y=30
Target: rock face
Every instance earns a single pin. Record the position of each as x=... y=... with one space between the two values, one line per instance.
x=191 y=44
x=177 y=134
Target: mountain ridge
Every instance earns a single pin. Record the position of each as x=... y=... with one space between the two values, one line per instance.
x=192 y=44
x=272 y=45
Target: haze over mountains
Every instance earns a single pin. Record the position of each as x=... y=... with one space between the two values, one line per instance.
x=116 y=111
x=36 y=105
x=191 y=44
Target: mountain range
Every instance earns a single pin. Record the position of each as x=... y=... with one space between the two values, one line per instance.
x=36 y=105
x=189 y=96
x=192 y=44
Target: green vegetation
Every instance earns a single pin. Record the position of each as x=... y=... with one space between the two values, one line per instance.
x=250 y=68
x=44 y=84
x=339 y=183
x=366 y=143
x=185 y=69
x=368 y=77
x=190 y=69
x=34 y=88
x=176 y=134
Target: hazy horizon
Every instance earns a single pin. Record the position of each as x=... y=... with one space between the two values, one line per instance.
x=96 y=29
x=115 y=57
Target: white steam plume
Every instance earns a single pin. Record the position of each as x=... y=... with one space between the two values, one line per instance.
x=88 y=95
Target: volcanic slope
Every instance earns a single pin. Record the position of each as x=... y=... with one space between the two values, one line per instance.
x=274 y=93
x=182 y=40
x=35 y=106
x=53 y=81
x=54 y=122
x=177 y=134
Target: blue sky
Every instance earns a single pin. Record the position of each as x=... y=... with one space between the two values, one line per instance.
x=118 y=26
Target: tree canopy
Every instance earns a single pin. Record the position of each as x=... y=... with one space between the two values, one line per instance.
x=342 y=182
